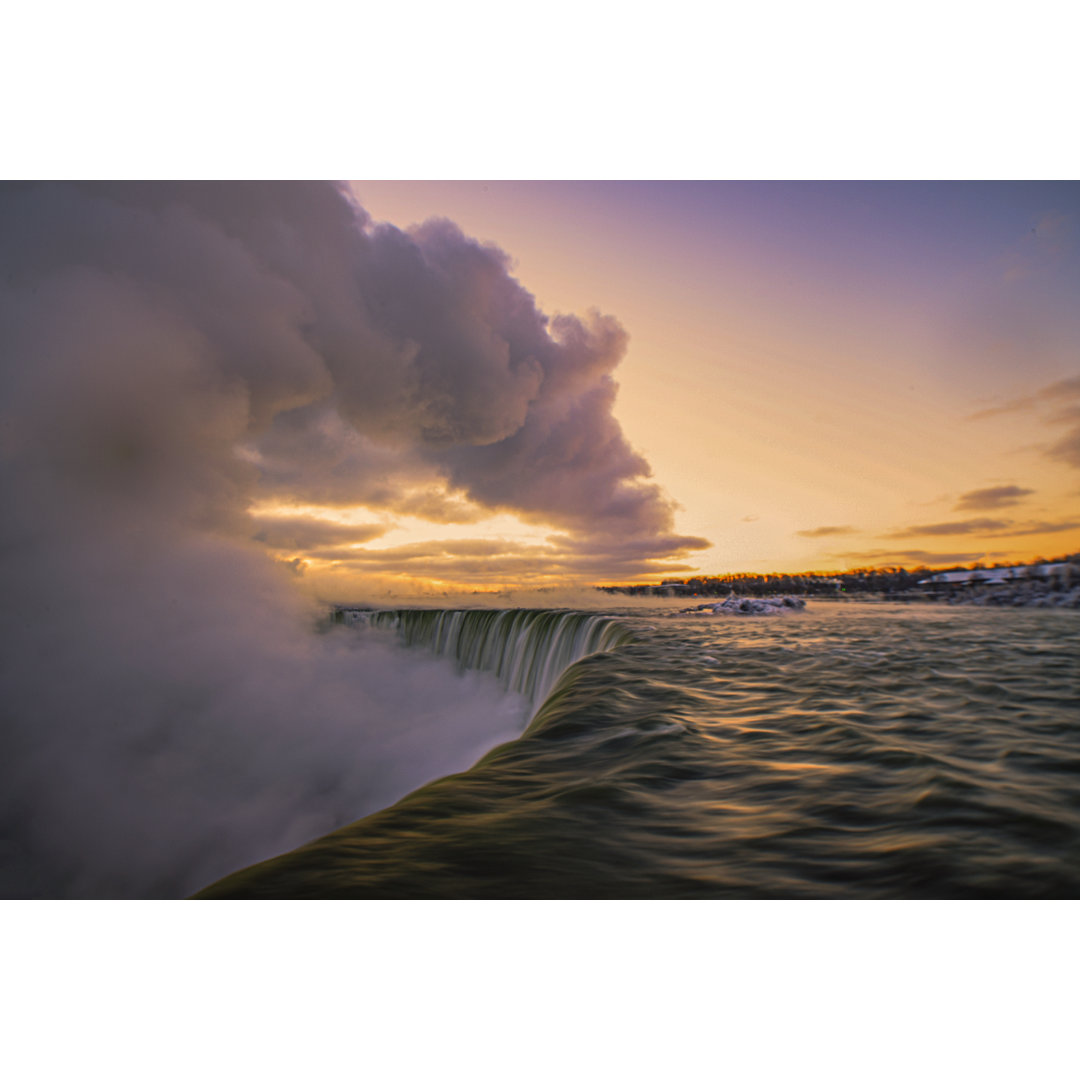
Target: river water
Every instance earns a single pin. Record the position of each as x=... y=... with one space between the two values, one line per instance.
x=843 y=751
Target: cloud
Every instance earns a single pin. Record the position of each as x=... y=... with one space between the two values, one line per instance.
x=1064 y=390
x=1063 y=399
x=434 y=505
x=1035 y=528
x=294 y=533
x=1067 y=448
x=951 y=528
x=992 y=498
x=1020 y=404
x=175 y=355
x=362 y=361
x=826 y=530
x=990 y=527
x=1065 y=396
x=913 y=557
x=563 y=559
x=471 y=562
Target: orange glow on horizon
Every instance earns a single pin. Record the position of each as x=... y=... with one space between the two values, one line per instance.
x=781 y=383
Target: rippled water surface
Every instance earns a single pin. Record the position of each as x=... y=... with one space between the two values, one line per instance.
x=843 y=751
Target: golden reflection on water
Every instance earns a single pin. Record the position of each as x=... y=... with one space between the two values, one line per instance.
x=821 y=756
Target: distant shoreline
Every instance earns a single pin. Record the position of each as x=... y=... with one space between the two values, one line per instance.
x=1017 y=596
x=1020 y=594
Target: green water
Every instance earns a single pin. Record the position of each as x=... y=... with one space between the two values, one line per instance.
x=846 y=751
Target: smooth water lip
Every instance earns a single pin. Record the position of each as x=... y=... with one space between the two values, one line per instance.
x=528 y=650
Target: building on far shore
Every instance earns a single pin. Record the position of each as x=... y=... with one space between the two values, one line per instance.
x=1039 y=584
x=999 y=575
x=672 y=588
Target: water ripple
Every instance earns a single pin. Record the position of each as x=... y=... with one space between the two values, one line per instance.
x=877 y=751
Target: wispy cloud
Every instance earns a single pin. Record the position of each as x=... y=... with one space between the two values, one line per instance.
x=1020 y=404
x=486 y=562
x=1062 y=398
x=992 y=498
x=826 y=530
x=1067 y=448
x=913 y=557
x=174 y=355
x=299 y=533
x=1036 y=528
x=989 y=526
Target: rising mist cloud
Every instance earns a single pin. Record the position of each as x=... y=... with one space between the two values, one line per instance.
x=175 y=355
x=356 y=362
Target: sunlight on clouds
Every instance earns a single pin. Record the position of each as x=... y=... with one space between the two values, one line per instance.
x=790 y=364
x=406 y=528
x=340 y=515
x=367 y=552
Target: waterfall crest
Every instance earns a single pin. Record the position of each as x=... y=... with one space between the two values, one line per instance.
x=527 y=650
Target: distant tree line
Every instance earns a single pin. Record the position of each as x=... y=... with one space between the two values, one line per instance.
x=886 y=581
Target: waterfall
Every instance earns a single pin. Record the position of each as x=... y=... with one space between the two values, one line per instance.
x=527 y=650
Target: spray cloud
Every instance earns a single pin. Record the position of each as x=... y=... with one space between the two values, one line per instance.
x=172 y=354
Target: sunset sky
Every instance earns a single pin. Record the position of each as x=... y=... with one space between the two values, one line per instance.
x=401 y=389
x=822 y=375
